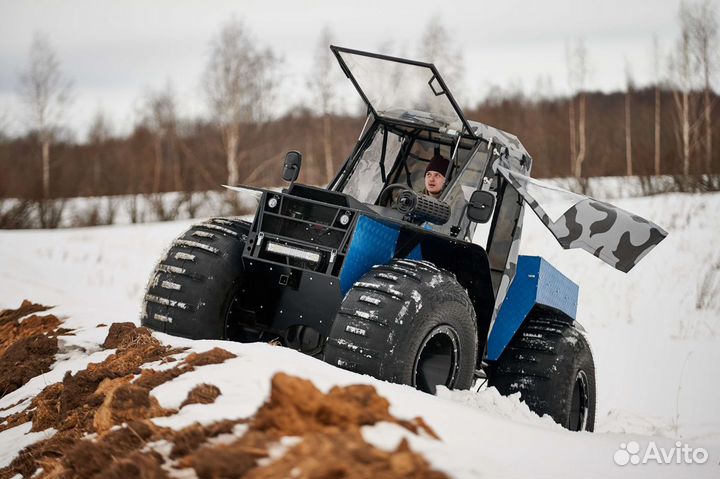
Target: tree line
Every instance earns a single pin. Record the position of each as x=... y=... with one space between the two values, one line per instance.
x=665 y=128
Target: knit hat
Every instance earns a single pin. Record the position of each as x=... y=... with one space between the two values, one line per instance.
x=438 y=163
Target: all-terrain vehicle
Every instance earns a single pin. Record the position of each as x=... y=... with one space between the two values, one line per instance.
x=374 y=276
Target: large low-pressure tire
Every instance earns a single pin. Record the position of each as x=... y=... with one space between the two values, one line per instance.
x=550 y=363
x=193 y=286
x=408 y=322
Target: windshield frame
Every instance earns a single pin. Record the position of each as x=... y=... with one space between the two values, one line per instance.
x=468 y=131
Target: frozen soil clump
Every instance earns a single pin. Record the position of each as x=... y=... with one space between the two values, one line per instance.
x=318 y=435
x=103 y=429
x=28 y=344
x=329 y=440
x=96 y=400
x=202 y=394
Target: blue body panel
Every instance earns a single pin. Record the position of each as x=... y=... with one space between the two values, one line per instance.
x=536 y=282
x=373 y=243
x=415 y=254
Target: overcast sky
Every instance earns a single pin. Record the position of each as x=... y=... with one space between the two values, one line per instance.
x=115 y=50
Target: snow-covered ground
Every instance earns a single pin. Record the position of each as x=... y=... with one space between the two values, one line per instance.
x=655 y=333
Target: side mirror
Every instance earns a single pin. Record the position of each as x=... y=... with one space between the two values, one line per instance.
x=481 y=205
x=291 y=168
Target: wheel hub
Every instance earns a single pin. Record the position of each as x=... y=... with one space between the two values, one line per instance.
x=436 y=362
x=580 y=407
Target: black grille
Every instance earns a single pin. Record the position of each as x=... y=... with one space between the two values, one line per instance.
x=316 y=234
x=304 y=210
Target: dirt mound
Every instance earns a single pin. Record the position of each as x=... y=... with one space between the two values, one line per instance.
x=350 y=406
x=344 y=454
x=283 y=414
x=28 y=344
x=25 y=309
x=124 y=402
x=113 y=455
x=73 y=403
x=226 y=461
x=97 y=399
x=214 y=356
x=122 y=334
x=327 y=428
x=331 y=444
x=141 y=465
x=27 y=358
x=192 y=437
x=102 y=418
x=201 y=394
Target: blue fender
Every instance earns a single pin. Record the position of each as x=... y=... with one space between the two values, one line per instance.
x=536 y=282
x=373 y=243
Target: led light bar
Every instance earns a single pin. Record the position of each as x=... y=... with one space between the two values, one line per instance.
x=278 y=248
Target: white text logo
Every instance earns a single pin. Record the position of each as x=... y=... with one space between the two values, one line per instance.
x=630 y=453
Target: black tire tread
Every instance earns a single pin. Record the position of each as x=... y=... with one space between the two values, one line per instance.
x=374 y=304
x=538 y=361
x=189 y=271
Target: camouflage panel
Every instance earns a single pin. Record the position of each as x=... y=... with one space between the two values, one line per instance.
x=521 y=163
x=515 y=148
x=510 y=268
x=619 y=238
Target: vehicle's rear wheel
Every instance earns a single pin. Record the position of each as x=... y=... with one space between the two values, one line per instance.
x=550 y=363
x=408 y=322
x=193 y=287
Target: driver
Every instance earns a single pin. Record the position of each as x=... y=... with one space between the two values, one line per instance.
x=435 y=175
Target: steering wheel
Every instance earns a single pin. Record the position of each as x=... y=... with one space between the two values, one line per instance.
x=387 y=191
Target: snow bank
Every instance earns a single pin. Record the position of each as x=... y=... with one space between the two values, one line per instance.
x=654 y=332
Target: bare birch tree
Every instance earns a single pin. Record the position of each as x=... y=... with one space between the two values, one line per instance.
x=569 y=59
x=239 y=82
x=658 y=106
x=323 y=82
x=681 y=67
x=703 y=26
x=45 y=92
x=684 y=74
x=577 y=76
x=693 y=65
x=102 y=210
x=160 y=116
x=162 y=119
x=582 y=137
x=98 y=135
x=629 y=87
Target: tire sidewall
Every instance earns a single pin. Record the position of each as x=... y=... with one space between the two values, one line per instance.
x=548 y=377
x=581 y=361
x=207 y=283
x=400 y=365
x=215 y=296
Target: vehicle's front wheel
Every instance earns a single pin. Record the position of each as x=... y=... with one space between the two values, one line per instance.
x=408 y=322
x=193 y=287
x=550 y=363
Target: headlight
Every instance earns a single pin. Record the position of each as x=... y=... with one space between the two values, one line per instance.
x=272 y=202
x=278 y=248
